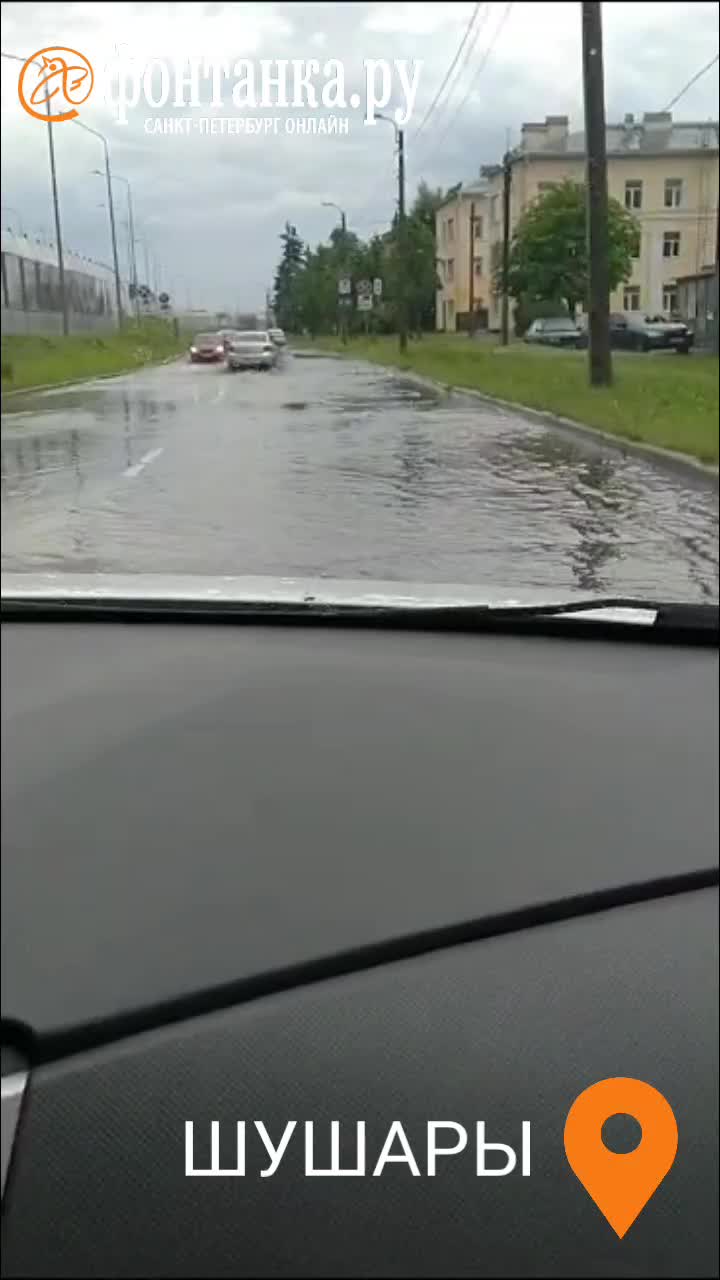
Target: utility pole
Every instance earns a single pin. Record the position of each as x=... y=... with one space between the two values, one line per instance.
x=505 y=317
x=402 y=243
x=471 y=269
x=597 y=197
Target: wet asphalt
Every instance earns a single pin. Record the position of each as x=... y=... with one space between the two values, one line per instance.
x=338 y=469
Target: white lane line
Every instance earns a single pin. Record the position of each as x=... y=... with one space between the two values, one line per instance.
x=144 y=461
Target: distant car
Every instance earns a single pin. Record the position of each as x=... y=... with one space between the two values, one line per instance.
x=638 y=331
x=278 y=337
x=227 y=335
x=556 y=331
x=253 y=349
x=207 y=347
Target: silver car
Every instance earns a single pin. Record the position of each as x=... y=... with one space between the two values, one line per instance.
x=252 y=349
x=278 y=337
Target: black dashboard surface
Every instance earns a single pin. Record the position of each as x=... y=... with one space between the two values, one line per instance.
x=187 y=807
x=498 y=833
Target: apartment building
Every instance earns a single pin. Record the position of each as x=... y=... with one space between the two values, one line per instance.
x=664 y=171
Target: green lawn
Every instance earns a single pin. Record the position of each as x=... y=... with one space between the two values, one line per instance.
x=665 y=400
x=32 y=361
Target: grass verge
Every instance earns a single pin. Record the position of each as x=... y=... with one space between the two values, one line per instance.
x=29 y=360
x=665 y=400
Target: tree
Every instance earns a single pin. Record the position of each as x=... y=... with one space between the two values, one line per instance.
x=548 y=256
x=290 y=265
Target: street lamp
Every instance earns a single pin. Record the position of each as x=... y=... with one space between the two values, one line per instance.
x=111 y=210
x=14 y=57
x=330 y=204
x=132 y=260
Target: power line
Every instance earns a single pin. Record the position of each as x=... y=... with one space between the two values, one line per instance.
x=447 y=104
x=690 y=83
x=450 y=69
x=473 y=82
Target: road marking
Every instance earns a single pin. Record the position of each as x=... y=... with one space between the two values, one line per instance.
x=144 y=461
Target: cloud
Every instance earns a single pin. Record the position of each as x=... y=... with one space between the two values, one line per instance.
x=212 y=208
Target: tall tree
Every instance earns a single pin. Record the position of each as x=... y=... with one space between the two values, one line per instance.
x=548 y=257
x=291 y=263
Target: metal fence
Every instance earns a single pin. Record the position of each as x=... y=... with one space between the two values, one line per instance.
x=31 y=295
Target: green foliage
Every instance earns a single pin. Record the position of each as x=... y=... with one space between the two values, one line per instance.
x=306 y=281
x=548 y=257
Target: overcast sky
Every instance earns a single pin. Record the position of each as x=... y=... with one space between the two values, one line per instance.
x=212 y=208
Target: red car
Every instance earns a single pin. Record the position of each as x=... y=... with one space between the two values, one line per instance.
x=207 y=347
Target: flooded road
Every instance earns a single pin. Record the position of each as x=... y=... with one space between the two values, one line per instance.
x=330 y=468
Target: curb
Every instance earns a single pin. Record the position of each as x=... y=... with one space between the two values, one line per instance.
x=654 y=452
x=82 y=382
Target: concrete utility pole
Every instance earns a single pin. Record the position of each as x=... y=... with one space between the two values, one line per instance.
x=597 y=197
x=402 y=243
x=471 y=268
x=505 y=316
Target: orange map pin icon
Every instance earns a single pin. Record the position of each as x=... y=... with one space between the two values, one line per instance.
x=621 y=1185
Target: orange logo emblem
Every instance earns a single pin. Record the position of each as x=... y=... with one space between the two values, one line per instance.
x=54 y=82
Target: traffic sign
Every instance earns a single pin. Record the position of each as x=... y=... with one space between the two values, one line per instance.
x=364 y=303
x=344 y=284
x=364 y=288
x=377 y=287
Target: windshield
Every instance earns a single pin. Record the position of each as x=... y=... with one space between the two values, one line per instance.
x=328 y=319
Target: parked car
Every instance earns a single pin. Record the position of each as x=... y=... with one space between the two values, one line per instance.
x=207 y=347
x=278 y=337
x=636 y=331
x=556 y=331
x=253 y=349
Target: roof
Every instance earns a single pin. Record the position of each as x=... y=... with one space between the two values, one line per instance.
x=635 y=138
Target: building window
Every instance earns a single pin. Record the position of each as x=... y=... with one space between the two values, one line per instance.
x=451 y=229
x=450 y=270
x=635 y=251
x=631 y=297
x=670 y=299
x=478 y=228
x=673 y=193
x=633 y=194
x=477 y=266
x=671 y=244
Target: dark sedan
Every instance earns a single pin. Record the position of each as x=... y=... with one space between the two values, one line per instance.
x=207 y=347
x=636 y=331
x=556 y=331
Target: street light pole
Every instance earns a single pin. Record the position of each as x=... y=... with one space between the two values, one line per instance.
x=330 y=204
x=132 y=260
x=111 y=210
x=14 y=57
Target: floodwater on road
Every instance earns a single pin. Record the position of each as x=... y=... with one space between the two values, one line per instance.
x=337 y=469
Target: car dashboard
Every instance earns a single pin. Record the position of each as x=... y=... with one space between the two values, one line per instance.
x=255 y=875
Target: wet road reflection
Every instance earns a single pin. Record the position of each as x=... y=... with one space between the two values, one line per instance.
x=340 y=470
